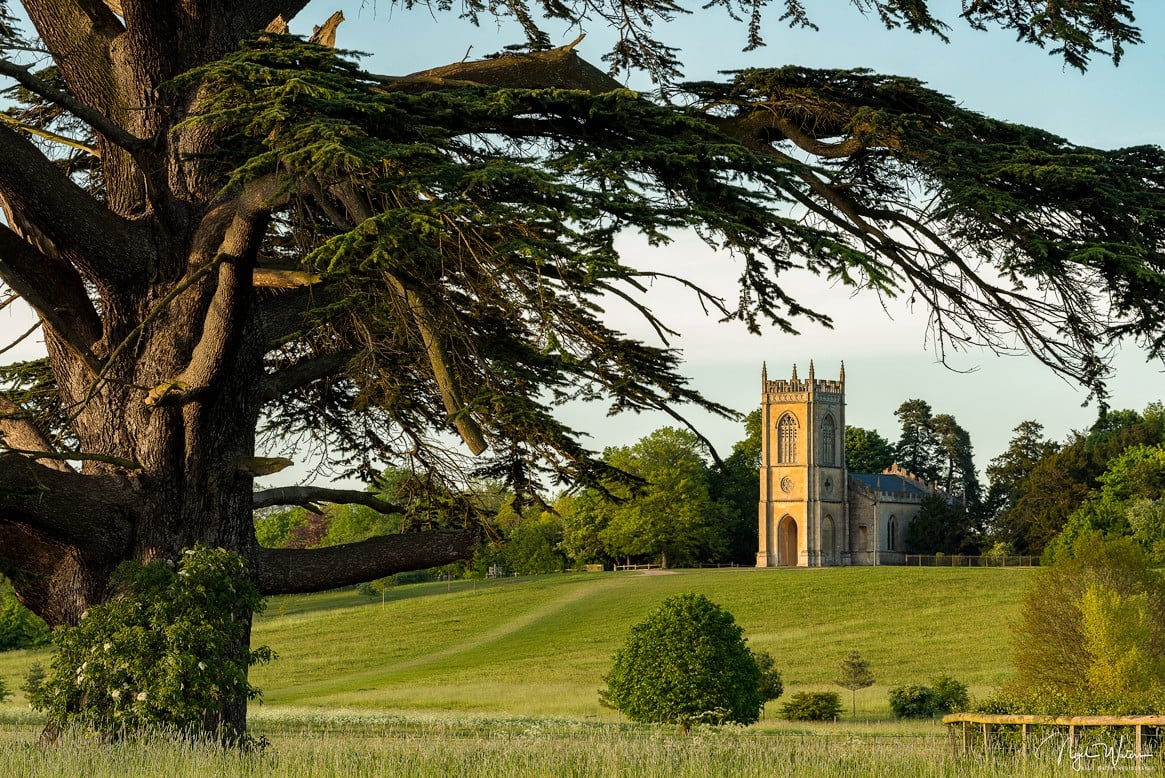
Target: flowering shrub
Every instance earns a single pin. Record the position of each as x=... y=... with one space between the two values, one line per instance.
x=170 y=650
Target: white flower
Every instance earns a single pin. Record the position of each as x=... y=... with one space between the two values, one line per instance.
x=115 y=694
x=202 y=665
x=108 y=646
x=141 y=697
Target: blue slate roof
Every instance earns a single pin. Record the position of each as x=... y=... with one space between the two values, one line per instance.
x=884 y=482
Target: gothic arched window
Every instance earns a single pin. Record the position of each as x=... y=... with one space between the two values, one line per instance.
x=828 y=441
x=891 y=533
x=787 y=439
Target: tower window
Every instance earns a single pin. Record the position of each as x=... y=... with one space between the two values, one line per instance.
x=828 y=441
x=787 y=439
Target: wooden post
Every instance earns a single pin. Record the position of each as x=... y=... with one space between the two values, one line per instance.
x=1023 y=740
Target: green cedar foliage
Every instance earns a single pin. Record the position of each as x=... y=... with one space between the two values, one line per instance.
x=161 y=654
x=686 y=662
x=508 y=244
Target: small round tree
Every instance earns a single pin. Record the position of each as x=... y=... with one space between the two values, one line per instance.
x=686 y=662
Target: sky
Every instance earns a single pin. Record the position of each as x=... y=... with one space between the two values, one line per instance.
x=888 y=357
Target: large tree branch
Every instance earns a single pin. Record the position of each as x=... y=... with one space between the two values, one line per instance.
x=308 y=496
x=304 y=372
x=100 y=244
x=18 y=431
x=294 y=571
x=86 y=511
x=559 y=68
x=287 y=315
x=54 y=290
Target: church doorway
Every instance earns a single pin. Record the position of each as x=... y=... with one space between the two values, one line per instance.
x=787 y=542
x=828 y=541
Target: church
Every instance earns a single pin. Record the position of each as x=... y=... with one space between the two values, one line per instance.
x=813 y=512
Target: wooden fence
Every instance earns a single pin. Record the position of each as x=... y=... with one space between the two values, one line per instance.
x=966 y=560
x=1065 y=737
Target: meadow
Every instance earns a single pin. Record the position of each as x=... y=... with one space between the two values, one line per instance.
x=500 y=678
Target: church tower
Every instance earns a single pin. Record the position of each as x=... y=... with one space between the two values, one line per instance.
x=803 y=512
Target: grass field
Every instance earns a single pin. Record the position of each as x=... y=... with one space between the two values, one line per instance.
x=507 y=671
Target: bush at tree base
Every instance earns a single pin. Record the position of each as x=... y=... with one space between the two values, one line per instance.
x=686 y=662
x=162 y=654
x=812 y=706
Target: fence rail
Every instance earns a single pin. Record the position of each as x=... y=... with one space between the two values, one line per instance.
x=966 y=731
x=967 y=560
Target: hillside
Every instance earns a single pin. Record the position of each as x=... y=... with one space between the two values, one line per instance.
x=540 y=646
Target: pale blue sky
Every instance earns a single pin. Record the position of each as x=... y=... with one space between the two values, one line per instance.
x=887 y=359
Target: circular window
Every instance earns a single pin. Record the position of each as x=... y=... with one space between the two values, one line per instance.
x=786 y=484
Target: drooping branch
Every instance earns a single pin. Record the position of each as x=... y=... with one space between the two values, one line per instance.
x=95 y=119
x=308 y=496
x=559 y=68
x=295 y=571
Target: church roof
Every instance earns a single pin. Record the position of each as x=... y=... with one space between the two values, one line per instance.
x=887 y=482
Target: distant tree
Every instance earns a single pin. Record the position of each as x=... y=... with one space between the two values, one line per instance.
x=941 y=526
x=917 y=448
x=584 y=517
x=955 y=461
x=1060 y=482
x=866 y=451
x=736 y=486
x=688 y=661
x=671 y=516
x=855 y=674
x=1131 y=487
x=1006 y=472
x=19 y=627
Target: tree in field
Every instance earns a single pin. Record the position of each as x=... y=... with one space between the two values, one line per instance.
x=770 y=685
x=670 y=516
x=686 y=662
x=855 y=674
x=866 y=451
x=237 y=244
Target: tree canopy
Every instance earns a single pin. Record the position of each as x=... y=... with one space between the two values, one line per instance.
x=237 y=245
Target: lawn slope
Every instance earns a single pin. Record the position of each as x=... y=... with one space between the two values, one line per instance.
x=539 y=646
